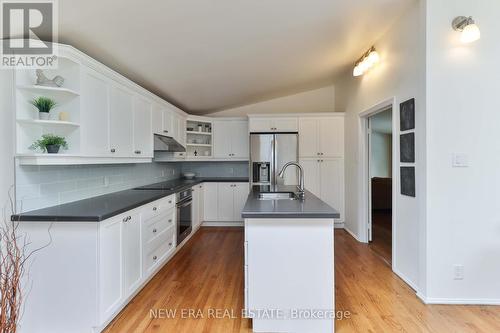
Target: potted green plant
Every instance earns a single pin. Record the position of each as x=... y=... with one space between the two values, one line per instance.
x=50 y=143
x=44 y=105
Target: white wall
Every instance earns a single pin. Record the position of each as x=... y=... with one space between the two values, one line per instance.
x=318 y=100
x=381 y=159
x=6 y=139
x=463 y=112
x=400 y=74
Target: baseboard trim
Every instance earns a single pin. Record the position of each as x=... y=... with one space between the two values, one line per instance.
x=458 y=301
x=352 y=234
x=223 y=224
x=406 y=280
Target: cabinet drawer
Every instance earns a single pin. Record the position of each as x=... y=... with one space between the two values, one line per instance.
x=159 y=248
x=157 y=207
x=155 y=226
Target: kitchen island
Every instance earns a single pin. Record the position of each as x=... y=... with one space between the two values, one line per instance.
x=289 y=262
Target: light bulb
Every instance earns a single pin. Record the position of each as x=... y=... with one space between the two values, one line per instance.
x=470 y=34
x=373 y=57
x=357 y=71
x=364 y=66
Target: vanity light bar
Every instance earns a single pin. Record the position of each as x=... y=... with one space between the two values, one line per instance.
x=367 y=61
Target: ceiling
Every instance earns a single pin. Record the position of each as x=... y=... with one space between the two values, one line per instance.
x=206 y=56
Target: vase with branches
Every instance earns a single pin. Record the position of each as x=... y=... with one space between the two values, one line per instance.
x=15 y=254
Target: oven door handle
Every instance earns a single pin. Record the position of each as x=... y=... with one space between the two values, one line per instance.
x=184 y=203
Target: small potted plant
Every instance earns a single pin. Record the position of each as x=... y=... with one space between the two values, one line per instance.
x=50 y=143
x=44 y=105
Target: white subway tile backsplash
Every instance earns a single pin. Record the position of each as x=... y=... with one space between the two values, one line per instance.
x=45 y=186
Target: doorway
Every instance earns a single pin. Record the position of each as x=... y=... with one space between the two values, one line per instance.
x=380 y=148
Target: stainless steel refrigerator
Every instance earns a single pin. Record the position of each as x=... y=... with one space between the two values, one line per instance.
x=268 y=153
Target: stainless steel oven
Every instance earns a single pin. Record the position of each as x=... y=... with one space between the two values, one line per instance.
x=184 y=214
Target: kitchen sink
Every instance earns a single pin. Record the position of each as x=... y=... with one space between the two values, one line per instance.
x=277 y=196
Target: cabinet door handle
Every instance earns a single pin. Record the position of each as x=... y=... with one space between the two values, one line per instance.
x=113 y=150
x=155 y=209
x=321 y=154
x=155 y=257
x=169 y=220
x=170 y=244
x=138 y=152
x=125 y=219
x=165 y=131
x=318 y=161
x=169 y=201
x=154 y=231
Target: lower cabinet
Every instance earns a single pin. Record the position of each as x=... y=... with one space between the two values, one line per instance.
x=198 y=205
x=224 y=201
x=325 y=179
x=131 y=247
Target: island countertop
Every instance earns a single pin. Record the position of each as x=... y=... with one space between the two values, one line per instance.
x=102 y=207
x=310 y=207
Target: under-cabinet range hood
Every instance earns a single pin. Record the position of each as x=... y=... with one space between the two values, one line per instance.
x=167 y=144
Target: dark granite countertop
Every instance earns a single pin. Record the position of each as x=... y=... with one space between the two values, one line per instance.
x=105 y=206
x=310 y=207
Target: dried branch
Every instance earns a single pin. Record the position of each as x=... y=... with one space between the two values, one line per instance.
x=14 y=255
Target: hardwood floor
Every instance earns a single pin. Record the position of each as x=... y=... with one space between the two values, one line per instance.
x=207 y=274
x=382 y=234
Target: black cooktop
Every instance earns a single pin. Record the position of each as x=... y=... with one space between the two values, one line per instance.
x=170 y=185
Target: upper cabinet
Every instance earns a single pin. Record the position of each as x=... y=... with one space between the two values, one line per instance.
x=121 y=115
x=104 y=117
x=321 y=136
x=231 y=139
x=273 y=124
x=95 y=121
x=143 y=140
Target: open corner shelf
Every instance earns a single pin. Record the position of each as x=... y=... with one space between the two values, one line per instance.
x=41 y=89
x=48 y=122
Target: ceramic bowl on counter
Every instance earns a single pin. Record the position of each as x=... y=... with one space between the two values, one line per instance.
x=189 y=175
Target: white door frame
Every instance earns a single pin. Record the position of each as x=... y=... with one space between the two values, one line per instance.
x=365 y=193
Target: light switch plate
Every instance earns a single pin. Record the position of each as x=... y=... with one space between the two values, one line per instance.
x=458 y=272
x=460 y=160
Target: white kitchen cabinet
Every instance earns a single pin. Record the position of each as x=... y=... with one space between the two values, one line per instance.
x=221 y=131
x=210 y=201
x=231 y=198
x=311 y=175
x=230 y=139
x=143 y=140
x=225 y=200
x=198 y=198
x=157 y=119
x=325 y=178
x=273 y=124
x=308 y=137
x=331 y=136
x=167 y=123
x=331 y=175
x=240 y=196
x=240 y=139
x=110 y=261
x=131 y=253
x=94 y=119
x=121 y=122
x=321 y=136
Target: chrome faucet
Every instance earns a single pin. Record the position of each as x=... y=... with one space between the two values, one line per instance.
x=301 y=177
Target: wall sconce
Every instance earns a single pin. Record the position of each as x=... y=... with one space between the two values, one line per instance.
x=367 y=61
x=470 y=31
